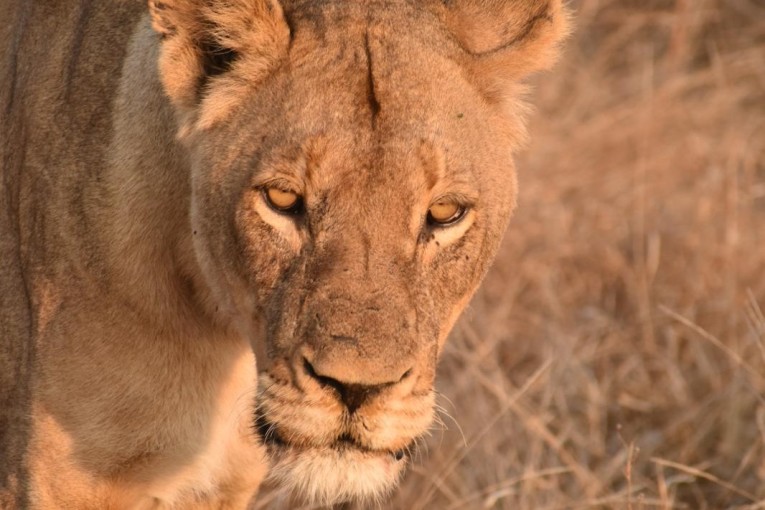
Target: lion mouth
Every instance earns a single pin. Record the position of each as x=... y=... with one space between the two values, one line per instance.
x=327 y=473
x=269 y=435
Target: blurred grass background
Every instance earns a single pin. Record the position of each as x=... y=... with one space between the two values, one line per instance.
x=615 y=356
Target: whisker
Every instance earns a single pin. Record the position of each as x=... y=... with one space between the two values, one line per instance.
x=442 y=410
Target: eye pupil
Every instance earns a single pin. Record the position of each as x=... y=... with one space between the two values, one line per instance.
x=445 y=213
x=283 y=201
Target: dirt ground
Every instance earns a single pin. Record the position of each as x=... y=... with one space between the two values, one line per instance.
x=615 y=355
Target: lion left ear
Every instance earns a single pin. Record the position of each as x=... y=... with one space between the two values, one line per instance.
x=506 y=40
x=214 y=51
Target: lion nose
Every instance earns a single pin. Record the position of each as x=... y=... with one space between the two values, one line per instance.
x=353 y=395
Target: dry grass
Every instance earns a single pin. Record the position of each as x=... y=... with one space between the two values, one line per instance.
x=615 y=356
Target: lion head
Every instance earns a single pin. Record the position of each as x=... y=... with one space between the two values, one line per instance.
x=352 y=178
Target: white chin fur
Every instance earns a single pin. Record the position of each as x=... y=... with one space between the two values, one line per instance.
x=327 y=476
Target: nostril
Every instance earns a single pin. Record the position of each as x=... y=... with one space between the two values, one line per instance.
x=352 y=395
x=406 y=375
x=309 y=369
x=323 y=380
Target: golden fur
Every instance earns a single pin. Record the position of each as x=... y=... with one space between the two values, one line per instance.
x=142 y=271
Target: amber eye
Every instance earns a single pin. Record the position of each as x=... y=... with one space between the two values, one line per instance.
x=445 y=212
x=283 y=201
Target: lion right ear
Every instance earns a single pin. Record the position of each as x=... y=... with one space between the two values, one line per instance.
x=213 y=52
x=505 y=40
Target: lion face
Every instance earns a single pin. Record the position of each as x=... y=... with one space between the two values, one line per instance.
x=351 y=180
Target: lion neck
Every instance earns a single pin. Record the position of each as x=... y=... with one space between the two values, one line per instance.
x=144 y=196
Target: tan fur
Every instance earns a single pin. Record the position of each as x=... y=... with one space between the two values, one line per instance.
x=140 y=266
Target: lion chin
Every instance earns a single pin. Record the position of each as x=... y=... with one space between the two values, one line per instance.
x=336 y=474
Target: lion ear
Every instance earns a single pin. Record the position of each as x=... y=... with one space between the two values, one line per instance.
x=506 y=40
x=214 y=51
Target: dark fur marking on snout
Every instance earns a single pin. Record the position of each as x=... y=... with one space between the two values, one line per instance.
x=374 y=103
x=267 y=431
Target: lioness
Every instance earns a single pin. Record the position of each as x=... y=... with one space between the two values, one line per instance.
x=319 y=185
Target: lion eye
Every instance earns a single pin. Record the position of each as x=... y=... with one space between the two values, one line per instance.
x=283 y=201
x=445 y=213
